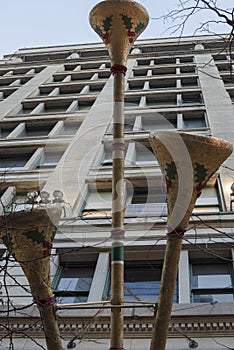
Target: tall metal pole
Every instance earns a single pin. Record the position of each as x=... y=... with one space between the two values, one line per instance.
x=118 y=23
x=117 y=232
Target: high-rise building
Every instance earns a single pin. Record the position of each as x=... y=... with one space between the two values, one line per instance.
x=56 y=132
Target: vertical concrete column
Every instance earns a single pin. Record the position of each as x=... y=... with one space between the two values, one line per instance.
x=99 y=278
x=85 y=90
x=138 y=123
x=54 y=92
x=14 y=100
x=20 y=129
x=35 y=159
x=184 y=278
x=180 y=123
x=38 y=109
x=131 y=154
x=219 y=109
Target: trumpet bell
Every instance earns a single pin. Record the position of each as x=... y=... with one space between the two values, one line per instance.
x=118 y=23
x=28 y=235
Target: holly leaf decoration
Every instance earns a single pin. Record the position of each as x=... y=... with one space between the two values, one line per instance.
x=35 y=236
x=200 y=173
x=171 y=171
x=98 y=31
x=139 y=27
x=53 y=235
x=127 y=22
x=107 y=23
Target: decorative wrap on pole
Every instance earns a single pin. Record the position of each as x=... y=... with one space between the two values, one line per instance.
x=187 y=163
x=118 y=23
x=28 y=235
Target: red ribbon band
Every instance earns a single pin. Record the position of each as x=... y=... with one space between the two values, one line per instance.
x=118 y=68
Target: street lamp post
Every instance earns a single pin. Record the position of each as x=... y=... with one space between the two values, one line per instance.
x=118 y=23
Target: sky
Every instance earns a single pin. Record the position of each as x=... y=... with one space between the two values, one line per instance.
x=35 y=23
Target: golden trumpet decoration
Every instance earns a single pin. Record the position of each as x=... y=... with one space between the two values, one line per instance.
x=28 y=235
x=187 y=162
x=118 y=23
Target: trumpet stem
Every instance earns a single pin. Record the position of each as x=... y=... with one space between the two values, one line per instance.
x=166 y=295
x=51 y=329
x=117 y=232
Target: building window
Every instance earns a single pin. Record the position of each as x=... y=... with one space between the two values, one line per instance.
x=132 y=102
x=49 y=159
x=56 y=106
x=186 y=59
x=140 y=72
x=195 y=120
x=107 y=159
x=94 y=88
x=104 y=75
x=72 y=283
x=32 y=130
x=165 y=60
x=212 y=282
x=159 y=121
x=209 y=200
x=187 y=69
x=69 y=128
x=164 y=71
x=81 y=76
x=70 y=89
x=189 y=81
x=13 y=162
x=192 y=98
x=162 y=83
x=136 y=85
x=144 y=62
x=5 y=130
x=145 y=155
x=98 y=204
x=147 y=202
x=142 y=281
x=161 y=99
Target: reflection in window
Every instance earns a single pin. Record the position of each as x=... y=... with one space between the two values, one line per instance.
x=98 y=204
x=147 y=202
x=13 y=162
x=208 y=200
x=142 y=281
x=212 y=282
x=194 y=120
x=73 y=283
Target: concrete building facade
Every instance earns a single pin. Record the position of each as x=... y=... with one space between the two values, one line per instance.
x=56 y=132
